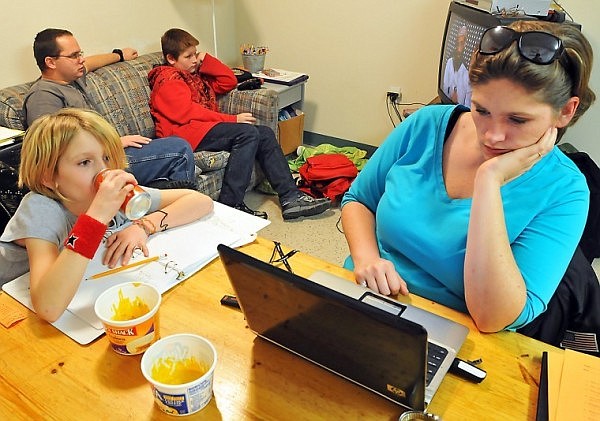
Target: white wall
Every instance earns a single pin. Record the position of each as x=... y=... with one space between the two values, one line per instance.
x=353 y=50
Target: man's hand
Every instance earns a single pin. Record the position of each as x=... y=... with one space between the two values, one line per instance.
x=135 y=141
x=129 y=53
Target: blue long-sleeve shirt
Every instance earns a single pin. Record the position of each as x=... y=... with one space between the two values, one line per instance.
x=424 y=232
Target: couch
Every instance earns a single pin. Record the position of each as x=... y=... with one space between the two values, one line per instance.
x=120 y=93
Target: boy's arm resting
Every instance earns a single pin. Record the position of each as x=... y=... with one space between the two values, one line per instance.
x=220 y=76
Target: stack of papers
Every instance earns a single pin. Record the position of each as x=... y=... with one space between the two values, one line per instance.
x=573 y=383
x=8 y=135
x=282 y=77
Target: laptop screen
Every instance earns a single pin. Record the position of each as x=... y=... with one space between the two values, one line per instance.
x=376 y=349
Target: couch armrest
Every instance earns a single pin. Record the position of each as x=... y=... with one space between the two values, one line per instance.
x=11 y=106
x=262 y=103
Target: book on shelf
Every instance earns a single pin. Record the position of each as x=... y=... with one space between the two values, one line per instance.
x=280 y=76
x=8 y=135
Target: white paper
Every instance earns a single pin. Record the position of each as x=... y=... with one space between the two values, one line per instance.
x=187 y=248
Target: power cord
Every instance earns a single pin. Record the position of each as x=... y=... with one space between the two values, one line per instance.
x=392 y=105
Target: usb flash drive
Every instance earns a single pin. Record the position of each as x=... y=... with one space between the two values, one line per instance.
x=467 y=371
x=230 y=300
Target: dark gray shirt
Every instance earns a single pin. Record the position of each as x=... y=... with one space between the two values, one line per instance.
x=46 y=97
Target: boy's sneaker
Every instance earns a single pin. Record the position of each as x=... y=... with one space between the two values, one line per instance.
x=304 y=205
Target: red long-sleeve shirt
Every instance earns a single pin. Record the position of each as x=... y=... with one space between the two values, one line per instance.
x=184 y=104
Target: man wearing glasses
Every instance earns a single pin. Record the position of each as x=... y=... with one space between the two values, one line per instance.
x=62 y=84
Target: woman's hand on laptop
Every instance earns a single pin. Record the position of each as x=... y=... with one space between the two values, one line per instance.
x=380 y=276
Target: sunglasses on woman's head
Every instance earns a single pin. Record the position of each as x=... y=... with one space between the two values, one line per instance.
x=535 y=46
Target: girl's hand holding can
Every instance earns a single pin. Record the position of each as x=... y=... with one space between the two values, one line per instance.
x=112 y=188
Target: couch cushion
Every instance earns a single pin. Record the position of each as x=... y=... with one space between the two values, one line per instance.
x=207 y=161
x=262 y=103
x=11 y=106
x=121 y=93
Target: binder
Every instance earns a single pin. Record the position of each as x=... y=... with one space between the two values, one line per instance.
x=182 y=252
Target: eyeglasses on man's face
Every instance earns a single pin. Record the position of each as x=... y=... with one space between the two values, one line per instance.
x=74 y=56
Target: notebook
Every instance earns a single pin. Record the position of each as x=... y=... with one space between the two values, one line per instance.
x=182 y=251
x=372 y=340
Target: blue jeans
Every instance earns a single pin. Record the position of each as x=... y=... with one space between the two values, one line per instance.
x=247 y=143
x=167 y=158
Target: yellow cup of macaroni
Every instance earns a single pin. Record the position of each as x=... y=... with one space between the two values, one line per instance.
x=129 y=313
x=180 y=371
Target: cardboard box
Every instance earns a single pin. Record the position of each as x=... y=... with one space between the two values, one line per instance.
x=291 y=133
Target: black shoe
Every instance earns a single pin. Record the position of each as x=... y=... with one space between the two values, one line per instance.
x=242 y=206
x=304 y=205
x=173 y=184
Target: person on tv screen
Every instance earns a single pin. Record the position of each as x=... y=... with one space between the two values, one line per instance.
x=477 y=208
x=456 y=73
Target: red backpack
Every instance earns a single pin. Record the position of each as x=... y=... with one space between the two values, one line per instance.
x=327 y=175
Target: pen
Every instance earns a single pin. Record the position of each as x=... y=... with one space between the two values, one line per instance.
x=122 y=268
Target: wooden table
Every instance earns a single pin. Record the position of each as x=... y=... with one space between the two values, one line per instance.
x=46 y=375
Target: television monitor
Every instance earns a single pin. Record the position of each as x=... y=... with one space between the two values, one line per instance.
x=464 y=27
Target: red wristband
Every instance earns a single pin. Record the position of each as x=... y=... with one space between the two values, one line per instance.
x=86 y=235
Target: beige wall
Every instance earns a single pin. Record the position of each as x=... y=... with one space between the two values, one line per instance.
x=98 y=26
x=353 y=50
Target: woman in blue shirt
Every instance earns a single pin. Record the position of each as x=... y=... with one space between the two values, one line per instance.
x=478 y=209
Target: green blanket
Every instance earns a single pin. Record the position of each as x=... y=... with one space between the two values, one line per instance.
x=357 y=156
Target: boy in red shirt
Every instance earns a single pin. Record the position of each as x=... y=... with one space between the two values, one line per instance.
x=183 y=103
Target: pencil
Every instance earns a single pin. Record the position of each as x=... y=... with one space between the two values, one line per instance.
x=122 y=268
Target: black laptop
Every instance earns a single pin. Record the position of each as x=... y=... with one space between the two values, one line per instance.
x=362 y=336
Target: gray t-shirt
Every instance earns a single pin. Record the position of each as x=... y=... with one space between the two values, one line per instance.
x=41 y=217
x=46 y=97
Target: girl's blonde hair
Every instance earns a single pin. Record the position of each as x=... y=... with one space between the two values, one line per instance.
x=48 y=138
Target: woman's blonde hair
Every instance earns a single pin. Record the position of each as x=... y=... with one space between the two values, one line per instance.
x=48 y=138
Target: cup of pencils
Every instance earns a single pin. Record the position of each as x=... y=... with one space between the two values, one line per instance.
x=129 y=313
x=253 y=57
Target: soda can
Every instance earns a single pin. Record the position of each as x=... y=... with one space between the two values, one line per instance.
x=136 y=203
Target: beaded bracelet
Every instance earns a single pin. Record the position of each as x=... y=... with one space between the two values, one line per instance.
x=86 y=235
x=142 y=223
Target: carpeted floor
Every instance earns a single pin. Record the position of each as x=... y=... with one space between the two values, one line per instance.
x=318 y=235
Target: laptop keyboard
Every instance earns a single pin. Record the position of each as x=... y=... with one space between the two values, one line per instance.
x=435 y=355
